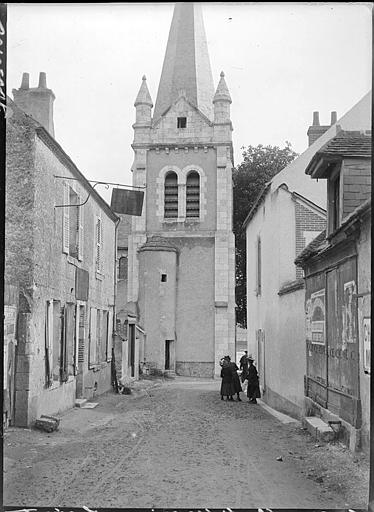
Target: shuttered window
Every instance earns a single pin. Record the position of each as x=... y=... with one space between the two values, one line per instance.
x=65 y=220
x=171 y=196
x=72 y=224
x=193 y=195
x=109 y=341
x=49 y=343
x=99 y=244
x=92 y=352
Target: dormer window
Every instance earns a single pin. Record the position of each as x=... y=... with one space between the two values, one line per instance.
x=181 y=122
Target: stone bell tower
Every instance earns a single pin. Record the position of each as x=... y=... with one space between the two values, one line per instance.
x=181 y=250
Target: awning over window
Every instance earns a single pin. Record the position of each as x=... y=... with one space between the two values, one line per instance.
x=128 y=202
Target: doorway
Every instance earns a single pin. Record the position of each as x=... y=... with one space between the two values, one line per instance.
x=131 y=352
x=169 y=355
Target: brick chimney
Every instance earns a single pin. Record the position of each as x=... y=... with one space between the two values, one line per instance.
x=36 y=101
x=316 y=130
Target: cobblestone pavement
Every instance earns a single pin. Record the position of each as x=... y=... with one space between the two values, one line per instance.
x=174 y=443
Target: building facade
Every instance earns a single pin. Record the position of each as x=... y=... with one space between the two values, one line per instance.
x=181 y=252
x=338 y=285
x=287 y=215
x=60 y=254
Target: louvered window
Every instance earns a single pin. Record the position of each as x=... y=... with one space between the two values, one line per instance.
x=171 y=196
x=193 y=195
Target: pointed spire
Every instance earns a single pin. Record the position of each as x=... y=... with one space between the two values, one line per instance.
x=222 y=92
x=143 y=97
x=186 y=64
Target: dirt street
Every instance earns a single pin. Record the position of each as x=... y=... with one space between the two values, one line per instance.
x=174 y=443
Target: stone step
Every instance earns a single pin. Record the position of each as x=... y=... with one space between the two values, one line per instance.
x=318 y=428
x=79 y=402
x=169 y=374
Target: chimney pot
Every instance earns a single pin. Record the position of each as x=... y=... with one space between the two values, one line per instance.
x=25 y=81
x=42 y=80
x=334 y=117
x=315 y=118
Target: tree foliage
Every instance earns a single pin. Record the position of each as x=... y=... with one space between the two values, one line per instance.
x=260 y=164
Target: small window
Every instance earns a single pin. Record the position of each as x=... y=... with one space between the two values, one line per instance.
x=122 y=270
x=181 y=122
x=164 y=278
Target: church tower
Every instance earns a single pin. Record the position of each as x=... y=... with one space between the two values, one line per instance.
x=181 y=250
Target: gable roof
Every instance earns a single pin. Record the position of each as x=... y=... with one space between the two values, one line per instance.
x=57 y=150
x=346 y=144
x=358 y=117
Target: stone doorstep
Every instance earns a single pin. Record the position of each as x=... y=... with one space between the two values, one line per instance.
x=318 y=428
x=79 y=402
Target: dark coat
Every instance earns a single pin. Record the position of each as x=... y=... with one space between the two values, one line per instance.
x=227 y=387
x=253 y=390
x=244 y=367
x=235 y=378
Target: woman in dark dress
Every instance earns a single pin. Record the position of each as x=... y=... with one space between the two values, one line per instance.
x=253 y=390
x=235 y=378
x=227 y=388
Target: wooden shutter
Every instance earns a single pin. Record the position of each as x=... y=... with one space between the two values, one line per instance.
x=80 y=228
x=99 y=244
x=63 y=359
x=49 y=343
x=98 y=336
x=81 y=337
x=65 y=220
x=92 y=338
x=109 y=340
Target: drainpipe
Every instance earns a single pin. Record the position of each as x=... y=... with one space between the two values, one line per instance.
x=115 y=280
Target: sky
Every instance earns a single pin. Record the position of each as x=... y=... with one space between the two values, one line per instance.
x=282 y=61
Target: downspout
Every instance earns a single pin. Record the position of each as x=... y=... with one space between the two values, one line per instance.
x=114 y=323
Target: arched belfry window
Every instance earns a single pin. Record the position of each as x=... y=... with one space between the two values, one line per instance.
x=193 y=194
x=171 y=196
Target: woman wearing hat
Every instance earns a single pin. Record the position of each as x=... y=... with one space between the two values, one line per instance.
x=227 y=387
x=253 y=390
x=237 y=388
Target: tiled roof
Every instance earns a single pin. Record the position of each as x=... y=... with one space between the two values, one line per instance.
x=348 y=143
x=320 y=243
x=312 y=248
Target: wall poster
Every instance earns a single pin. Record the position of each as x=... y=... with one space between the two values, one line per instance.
x=315 y=317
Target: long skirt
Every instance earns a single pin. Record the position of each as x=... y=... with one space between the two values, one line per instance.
x=236 y=383
x=253 y=391
x=227 y=389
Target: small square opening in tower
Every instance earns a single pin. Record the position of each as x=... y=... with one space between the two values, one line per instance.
x=164 y=278
x=181 y=122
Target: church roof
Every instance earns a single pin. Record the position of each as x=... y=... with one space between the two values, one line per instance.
x=186 y=64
